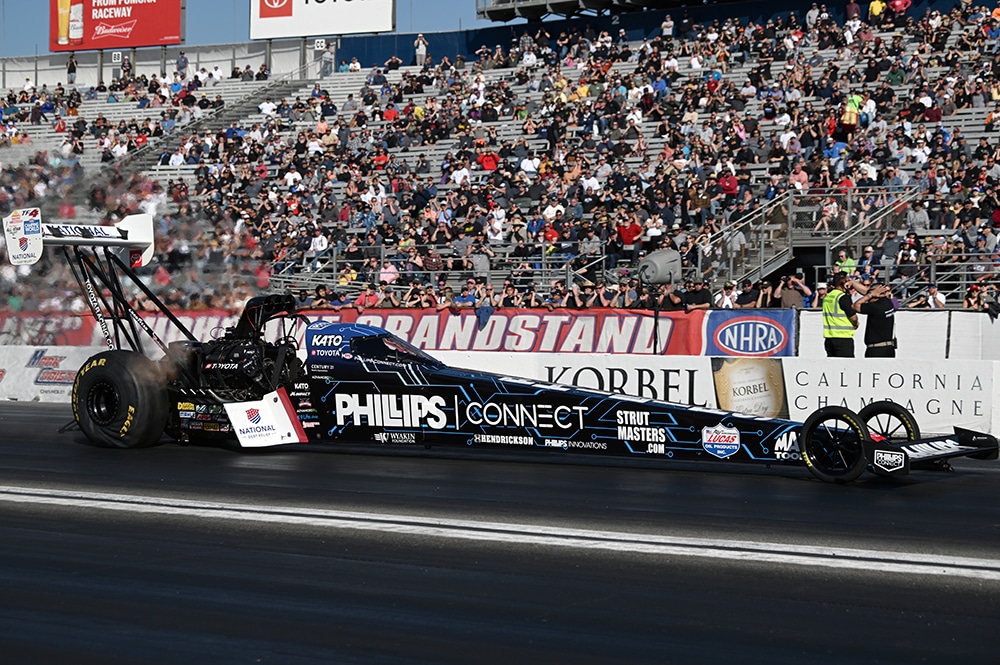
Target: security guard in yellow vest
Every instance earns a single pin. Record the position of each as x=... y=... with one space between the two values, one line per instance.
x=840 y=321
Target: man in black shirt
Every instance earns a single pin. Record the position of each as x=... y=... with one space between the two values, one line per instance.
x=699 y=297
x=880 y=309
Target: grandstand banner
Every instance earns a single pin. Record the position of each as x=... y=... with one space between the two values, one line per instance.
x=275 y=19
x=85 y=25
x=612 y=331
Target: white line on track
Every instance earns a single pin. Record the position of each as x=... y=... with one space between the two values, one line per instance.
x=913 y=563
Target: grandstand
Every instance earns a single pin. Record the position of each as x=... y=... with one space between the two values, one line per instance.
x=670 y=137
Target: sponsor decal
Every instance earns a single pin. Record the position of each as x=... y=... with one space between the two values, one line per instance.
x=22 y=243
x=215 y=427
x=918 y=451
x=185 y=414
x=889 y=460
x=185 y=406
x=253 y=415
x=566 y=444
x=720 y=441
x=503 y=440
x=391 y=410
x=327 y=340
x=634 y=426
x=416 y=411
x=3 y=373
x=196 y=425
x=396 y=437
x=222 y=366
x=786 y=447
x=50 y=370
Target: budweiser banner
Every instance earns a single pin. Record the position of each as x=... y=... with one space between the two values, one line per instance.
x=612 y=331
x=82 y=25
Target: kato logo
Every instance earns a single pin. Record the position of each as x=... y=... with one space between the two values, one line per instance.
x=253 y=415
x=720 y=441
x=327 y=340
x=751 y=336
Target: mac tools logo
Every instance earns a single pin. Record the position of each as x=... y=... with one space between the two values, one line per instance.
x=275 y=8
x=253 y=415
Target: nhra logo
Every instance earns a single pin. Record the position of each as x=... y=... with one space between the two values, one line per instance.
x=751 y=336
x=253 y=415
x=275 y=8
x=720 y=441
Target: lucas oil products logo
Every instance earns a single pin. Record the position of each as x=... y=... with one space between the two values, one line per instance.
x=720 y=441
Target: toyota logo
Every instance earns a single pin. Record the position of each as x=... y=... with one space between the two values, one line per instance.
x=275 y=4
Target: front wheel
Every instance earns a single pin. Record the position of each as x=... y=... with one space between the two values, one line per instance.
x=890 y=421
x=833 y=444
x=120 y=400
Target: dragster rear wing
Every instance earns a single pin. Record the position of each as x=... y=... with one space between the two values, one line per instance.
x=27 y=235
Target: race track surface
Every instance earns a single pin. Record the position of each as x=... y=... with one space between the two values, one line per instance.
x=199 y=554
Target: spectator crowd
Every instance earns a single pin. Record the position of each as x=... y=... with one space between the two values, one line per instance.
x=619 y=148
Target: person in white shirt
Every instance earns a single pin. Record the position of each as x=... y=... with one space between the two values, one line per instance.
x=935 y=299
x=530 y=164
x=460 y=175
x=292 y=178
x=726 y=298
x=267 y=107
x=177 y=159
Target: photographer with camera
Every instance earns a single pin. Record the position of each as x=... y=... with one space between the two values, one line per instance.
x=792 y=291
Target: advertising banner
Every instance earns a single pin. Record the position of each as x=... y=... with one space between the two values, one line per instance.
x=84 y=25
x=742 y=333
x=523 y=330
x=41 y=374
x=275 y=19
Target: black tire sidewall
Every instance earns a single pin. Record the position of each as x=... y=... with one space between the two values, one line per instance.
x=808 y=428
x=141 y=411
x=890 y=408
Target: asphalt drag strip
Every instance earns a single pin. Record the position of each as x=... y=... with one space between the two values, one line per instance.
x=880 y=561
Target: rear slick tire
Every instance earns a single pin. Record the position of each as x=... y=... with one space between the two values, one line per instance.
x=833 y=444
x=120 y=400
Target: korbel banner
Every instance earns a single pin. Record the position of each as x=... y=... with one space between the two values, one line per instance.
x=275 y=19
x=86 y=25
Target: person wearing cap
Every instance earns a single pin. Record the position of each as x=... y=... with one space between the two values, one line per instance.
x=935 y=299
x=726 y=298
x=368 y=298
x=420 y=50
x=880 y=308
x=840 y=320
x=699 y=296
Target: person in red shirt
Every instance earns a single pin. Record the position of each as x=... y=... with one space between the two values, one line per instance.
x=390 y=113
x=489 y=160
x=368 y=299
x=630 y=233
x=729 y=184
